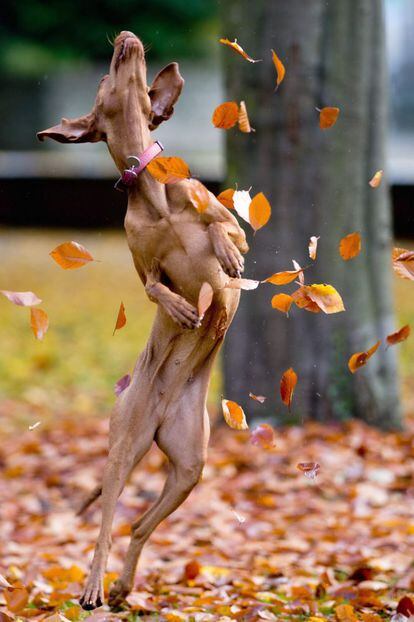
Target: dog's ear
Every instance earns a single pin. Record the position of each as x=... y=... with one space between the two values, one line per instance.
x=80 y=130
x=164 y=92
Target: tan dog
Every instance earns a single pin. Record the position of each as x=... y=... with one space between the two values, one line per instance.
x=175 y=250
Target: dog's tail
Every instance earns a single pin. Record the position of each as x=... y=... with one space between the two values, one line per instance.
x=96 y=492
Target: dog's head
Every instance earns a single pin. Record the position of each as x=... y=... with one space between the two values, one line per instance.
x=123 y=97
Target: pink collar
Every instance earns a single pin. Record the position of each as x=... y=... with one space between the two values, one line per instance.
x=129 y=176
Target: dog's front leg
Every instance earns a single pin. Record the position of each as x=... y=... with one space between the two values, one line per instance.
x=177 y=307
x=225 y=249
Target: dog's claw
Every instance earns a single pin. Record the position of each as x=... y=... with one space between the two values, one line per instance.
x=91 y=598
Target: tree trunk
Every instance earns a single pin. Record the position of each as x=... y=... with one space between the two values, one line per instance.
x=317 y=183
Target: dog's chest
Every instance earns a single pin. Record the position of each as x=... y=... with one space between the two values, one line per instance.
x=146 y=238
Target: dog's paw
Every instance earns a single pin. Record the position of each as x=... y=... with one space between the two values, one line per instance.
x=230 y=258
x=182 y=312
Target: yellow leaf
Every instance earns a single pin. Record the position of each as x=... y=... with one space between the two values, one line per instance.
x=350 y=246
x=328 y=117
x=226 y=115
x=71 y=255
x=234 y=415
x=199 y=196
x=282 y=302
x=243 y=119
x=326 y=297
x=226 y=198
x=121 y=319
x=376 y=179
x=168 y=170
x=39 y=322
x=237 y=48
x=287 y=386
x=205 y=298
x=313 y=247
x=280 y=69
x=259 y=211
x=359 y=359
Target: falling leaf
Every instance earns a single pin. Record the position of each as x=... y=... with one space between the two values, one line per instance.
x=257 y=398
x=39 y=322
x=287 y=386
x=241 y=202
x=406 y=606
x=283 y=278
x=237 y=48
x=121 y=319
x=301 y=276
x=399 y=335
x=168 y=170
x=226 y=198
x=309 y=469
x=191 y=570
x=259 y=211
x=376 y=180
x=328 y=117
x=205 y=298
x=313 y=247
x=359 y=359
x=263 y=436
x=34 y=426
x=16 y=598
x=303 y=301
x=122 y=384
x=350 y=246
x=243 y=119
x=280 y=69
x=234 y=415
x=247 y=284
x=326 y=297
x=345 y=613
x=225 y=115
x=71 y=255
x=282 y=302
x=22 y=299
x=403 y=263
x=199 y=196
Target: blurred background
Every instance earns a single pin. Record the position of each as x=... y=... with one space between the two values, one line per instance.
x=52 y=56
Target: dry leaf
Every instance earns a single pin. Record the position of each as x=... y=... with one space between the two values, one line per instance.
x=359 y=359
x=241 y=202
x=199 y=196
x=121 y=319
x=399 y=335
x=16 y=598
x=243 y=119
x=246 y=284
x=283 y=278
x=122 y=384
x=313 y=247
x=301 y=276
x=234 y=415
x=71 y=255
x=22 y=299
x=326 y=297
x=259 y=211
x=205 y=298
x=237 y=48
x=303 y=301
x=4 y=582
x=328 y=117
x=350 y=246
x=191 y=570
x=168 y=170
x=264 y=436
x=39 y=322
x=376 y=180
x=226 y=115
x=403 y=263
x=226 y=198
x=406 y=606
x=287 y=386
x=282 y=302
x=309 y=469
x=280 y=69
x=345 y=613
x=257 y=398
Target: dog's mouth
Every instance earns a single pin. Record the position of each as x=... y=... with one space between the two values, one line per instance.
x=129 y=45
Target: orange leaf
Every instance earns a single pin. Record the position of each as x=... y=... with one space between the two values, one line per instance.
x=302 y=300
x=257 y=398
x=376 y=180
x=350 y=246
x=22 y=299
x=121 y=319
x=226 y=115
x=264 y=436
x=247 y=284
x=326 y=297
x=168 y=170
x=39 y=323
x=345 y=613
x=399 y=335
x=259 y=211
x=287 y=386
x=226 y=198
x=359 y=359
x=282 y=302
x=205 y=298
x=313 y=247
x=403 y=263
x=237 y=48
x=71 y=255
x=234 y=415
x=280 y=69
x=199 y=196
x=191 y=570
x=243 y=119
x=309 y=469
x=283 y=278
x=328 y=117
x=16 y=598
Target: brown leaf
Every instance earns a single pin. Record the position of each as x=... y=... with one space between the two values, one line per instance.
x=121 y=319
x=243 y=119
x=16 y=598
x=406 y=606
x=326 y=297
x=350 y=246
x=234 y=415
x=309 y=469
x=257 y=398
x=263 y=436
x=282 y=302
x=237 y=48
x=376 y=179
x=226 y=198
x=225 y=115
x=403 y=263
x=22 y=299
x=205 y=298
x=259 y=211
x=283 y=278
x=122 y=384
x=199 y=196
x=399 y=335
x=287 y=386
x=359 y=359
x=71 y=255
x=39 y=322
x=328 y=117
x=313 y=247
x=191 y=570
x=280 y=69
x=168 y=170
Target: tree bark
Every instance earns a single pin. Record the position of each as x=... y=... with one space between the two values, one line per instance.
x=317 y=183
